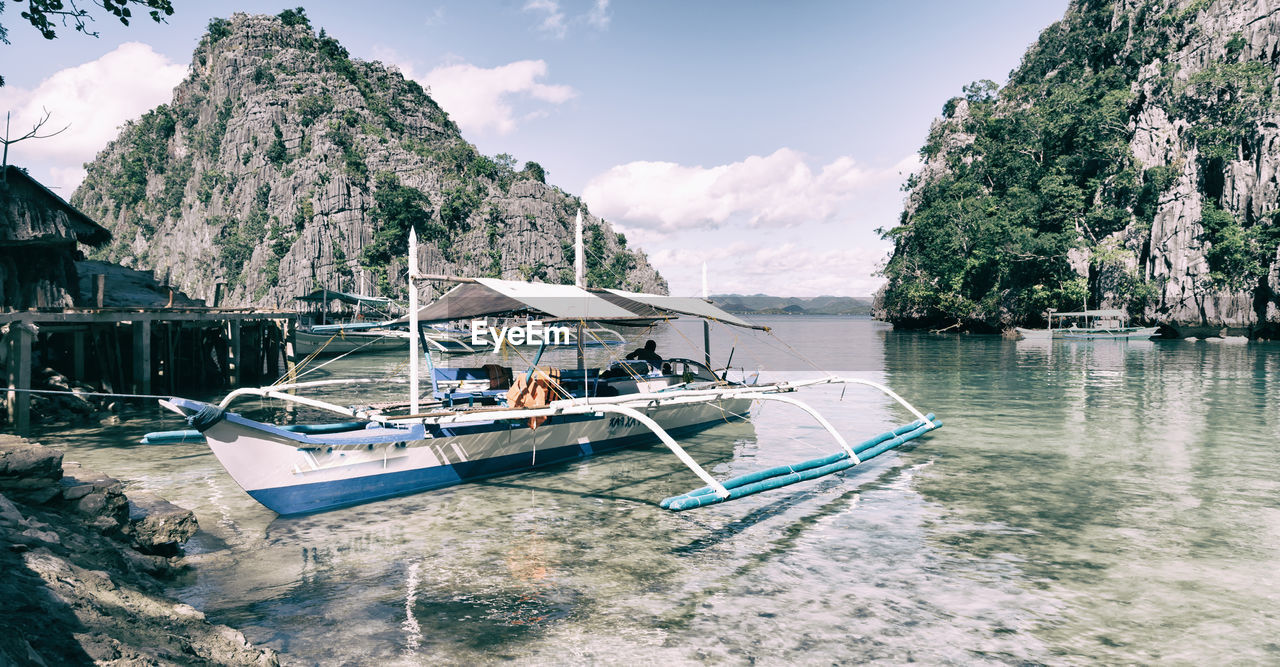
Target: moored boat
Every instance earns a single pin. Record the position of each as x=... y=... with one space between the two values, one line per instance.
x=480 y=422
x=1097 y=325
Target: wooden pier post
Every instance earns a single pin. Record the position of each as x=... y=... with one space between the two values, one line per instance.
x=19 y=402
x=77 y=355
x=290 y=354
x=234 y=364
x=142 y=356
x=274 y=334
x=99 y=289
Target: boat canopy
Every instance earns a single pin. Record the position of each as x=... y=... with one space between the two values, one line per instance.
x=683 y=305
x=487 y=297
x=325 y=296
x=490 y=297
x=1118 y=314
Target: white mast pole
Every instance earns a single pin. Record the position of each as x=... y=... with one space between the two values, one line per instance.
x=706 y=326
x=413 y=322
x=580 y=279
x=579 y=270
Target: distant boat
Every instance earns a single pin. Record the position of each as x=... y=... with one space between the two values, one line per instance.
x=1097 y=325
x=356 y=337
x=334 y=339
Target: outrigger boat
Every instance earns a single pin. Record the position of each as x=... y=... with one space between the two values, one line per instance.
x=1098 y=325
x=473 y=427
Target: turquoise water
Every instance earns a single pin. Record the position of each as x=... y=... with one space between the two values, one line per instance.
x=1086 y=501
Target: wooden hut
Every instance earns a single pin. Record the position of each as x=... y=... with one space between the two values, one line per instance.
x=39 y=233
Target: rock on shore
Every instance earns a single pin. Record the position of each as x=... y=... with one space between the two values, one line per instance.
x=83 y=566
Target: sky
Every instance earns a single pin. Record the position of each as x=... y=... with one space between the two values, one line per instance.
x=767 y=139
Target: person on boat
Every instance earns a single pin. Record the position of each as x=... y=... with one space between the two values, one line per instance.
x=647 y=353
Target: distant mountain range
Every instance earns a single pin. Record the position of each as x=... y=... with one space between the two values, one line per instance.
x=761 y=304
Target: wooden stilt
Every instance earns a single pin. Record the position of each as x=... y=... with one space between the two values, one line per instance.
x=234 y=362
x=290 y=356
x=142 y=356
x=77 y=355
x=171 y=344
x=21 y=335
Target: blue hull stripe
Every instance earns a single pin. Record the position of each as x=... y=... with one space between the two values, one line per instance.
x=321 y=496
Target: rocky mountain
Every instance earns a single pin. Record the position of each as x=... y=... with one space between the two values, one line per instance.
x=1131 y=161
x=284 y=165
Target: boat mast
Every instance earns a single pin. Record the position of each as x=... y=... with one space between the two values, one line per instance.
x=706 y=326
x=413 y=323
x=580 y=280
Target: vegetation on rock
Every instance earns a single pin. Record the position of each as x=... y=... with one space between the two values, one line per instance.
x=1032 y=198
x=283 y=164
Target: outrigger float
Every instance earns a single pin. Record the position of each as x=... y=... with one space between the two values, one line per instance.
x=475 y=426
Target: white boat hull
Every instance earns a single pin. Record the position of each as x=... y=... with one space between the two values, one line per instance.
x=293 y=477
x=307 y=343
x=1127 y=333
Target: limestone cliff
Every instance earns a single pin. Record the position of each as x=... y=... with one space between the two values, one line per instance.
x=283 y=165
x=1131 y=161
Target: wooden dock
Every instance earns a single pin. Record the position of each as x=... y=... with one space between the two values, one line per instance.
x=150 y=350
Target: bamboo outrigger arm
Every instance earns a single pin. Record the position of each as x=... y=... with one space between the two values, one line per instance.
x=670 y=442
x=822 y=421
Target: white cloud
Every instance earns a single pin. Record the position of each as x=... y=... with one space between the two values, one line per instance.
x=479 y=99
x=598 y=17
x=95 y=98
x=553 y=22
x=786 y=269
x=393 y=60
x=777 y=189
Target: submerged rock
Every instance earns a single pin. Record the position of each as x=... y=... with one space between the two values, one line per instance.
x=157 y=525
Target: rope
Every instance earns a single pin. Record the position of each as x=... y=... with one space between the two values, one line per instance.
x=554 y=385
x=744 y=417
x=612 y=357
x=797 y=353
x=306 y=360
x=311 y=356
x=692 y=345
x=85 y=393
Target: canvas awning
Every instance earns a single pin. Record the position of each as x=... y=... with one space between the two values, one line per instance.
x=490 y=297
x=683 y=305
x=325 y=296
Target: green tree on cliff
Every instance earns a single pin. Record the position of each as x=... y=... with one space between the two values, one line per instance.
x=1025 y=176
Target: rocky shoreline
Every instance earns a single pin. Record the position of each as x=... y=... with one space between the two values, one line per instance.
x=84 y=566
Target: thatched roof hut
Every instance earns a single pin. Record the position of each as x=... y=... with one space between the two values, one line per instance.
x=39 y=237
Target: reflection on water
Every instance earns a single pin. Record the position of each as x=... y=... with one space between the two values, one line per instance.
x=1087 y=501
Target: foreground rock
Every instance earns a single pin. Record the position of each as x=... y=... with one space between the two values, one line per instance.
x=83 y=564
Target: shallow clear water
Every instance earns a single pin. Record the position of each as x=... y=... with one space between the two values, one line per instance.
x=1087 y=501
